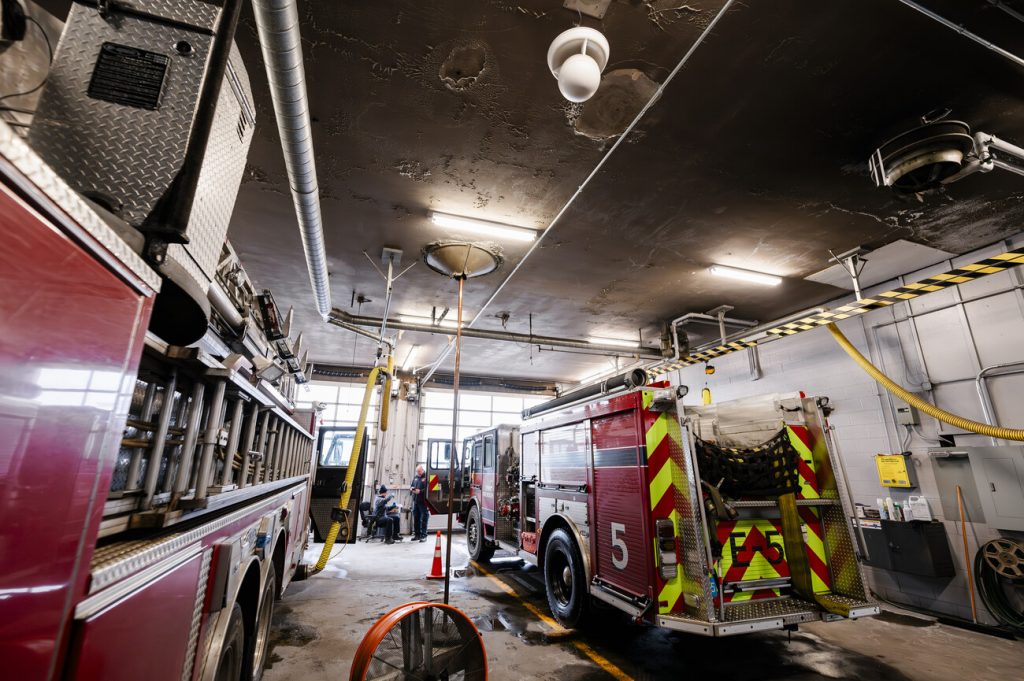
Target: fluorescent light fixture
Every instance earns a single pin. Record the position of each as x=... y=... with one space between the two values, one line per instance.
x=615 y=342
x=485 y=227
x=413 y=319
x=745 y=275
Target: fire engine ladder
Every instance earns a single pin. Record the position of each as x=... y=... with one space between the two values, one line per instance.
x=200 y=437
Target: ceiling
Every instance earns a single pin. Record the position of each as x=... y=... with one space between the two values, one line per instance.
x=754 y=156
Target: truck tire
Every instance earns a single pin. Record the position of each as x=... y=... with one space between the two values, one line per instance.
x=476 y=539
x=564 y=580
x=232 y=653
x=264 y=615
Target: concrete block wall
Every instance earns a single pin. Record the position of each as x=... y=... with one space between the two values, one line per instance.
x=934 y=345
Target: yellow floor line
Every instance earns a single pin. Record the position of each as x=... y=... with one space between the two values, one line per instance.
x=556 y=628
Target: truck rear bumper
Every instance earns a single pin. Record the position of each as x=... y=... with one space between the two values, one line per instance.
x=760 y=616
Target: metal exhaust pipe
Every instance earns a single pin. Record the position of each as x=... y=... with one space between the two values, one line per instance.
x=627 y=381
x=345 y=320
x=278 y=25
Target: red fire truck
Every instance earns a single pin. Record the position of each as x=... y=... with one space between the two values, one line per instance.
x=153 y=498
x=714 y=520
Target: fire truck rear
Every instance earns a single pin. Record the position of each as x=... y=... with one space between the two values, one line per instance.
x=715 y=520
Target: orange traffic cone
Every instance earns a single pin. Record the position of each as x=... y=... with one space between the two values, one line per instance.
x=435 y=570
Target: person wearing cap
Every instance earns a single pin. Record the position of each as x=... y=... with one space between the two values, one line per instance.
x=386 y=521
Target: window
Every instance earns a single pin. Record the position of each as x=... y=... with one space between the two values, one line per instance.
x=478 y=449
x=440 y=455
x=343 y=402
x=489 y=451
x=477 y=412
x=337 y=449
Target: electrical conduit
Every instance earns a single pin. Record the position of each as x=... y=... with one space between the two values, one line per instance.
x=910 y=398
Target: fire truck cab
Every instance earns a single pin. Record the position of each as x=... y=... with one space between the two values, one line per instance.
x=714 y=520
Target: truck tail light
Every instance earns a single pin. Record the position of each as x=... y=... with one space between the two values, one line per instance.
x=668 y=560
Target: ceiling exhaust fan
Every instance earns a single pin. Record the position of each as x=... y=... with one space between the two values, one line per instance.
x=940 y=152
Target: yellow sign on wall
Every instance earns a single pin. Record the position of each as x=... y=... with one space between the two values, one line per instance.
x=892 y=470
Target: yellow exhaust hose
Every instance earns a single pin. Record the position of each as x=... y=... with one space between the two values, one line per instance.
x=385 y=401
x=350 y=474
x=910 y=398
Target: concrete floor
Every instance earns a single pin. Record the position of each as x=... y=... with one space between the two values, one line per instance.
x=320 y=622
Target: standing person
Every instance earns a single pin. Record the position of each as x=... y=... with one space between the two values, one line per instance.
x=388 y=523
x=420 y=513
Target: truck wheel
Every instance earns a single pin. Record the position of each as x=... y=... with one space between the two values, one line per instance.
x=564 y=580
x=261 y=641
x=229 y=667
x=479 y=548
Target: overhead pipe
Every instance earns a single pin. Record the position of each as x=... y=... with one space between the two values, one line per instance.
x=634 y=378
x=278 y=25
x=222 y=304
x=346 y=320
x=964 y=32
x=702 y=318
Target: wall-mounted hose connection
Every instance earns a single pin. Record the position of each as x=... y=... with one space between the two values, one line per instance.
x=910 y=398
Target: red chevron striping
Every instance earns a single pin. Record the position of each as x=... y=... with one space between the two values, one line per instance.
x=814 y=527
x=809 y=477
x=657 y=458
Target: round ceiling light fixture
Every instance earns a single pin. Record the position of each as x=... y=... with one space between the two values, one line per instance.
x=461 y=259
x=576 y=58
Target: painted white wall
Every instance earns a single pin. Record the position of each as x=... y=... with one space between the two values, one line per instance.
x=960 y=330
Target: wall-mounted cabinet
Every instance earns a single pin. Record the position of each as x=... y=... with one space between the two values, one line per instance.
x=915 y=548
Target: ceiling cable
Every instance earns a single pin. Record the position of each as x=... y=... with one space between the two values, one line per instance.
x=964 y=32
x=593 y=173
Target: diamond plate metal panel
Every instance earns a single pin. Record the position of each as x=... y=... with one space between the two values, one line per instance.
x=788 y=607
x=192 y=12
x=29 y=163
x=221 y=174
x=694 y=537
x=126 y=157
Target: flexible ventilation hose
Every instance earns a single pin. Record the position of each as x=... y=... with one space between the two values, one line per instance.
x=912 y=399
x=385 y=403
x=350 y=475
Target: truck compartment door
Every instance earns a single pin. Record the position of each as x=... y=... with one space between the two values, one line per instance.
x=623 y=548
x=141 y=636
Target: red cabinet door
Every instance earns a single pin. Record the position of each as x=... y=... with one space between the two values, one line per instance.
x=71 y=334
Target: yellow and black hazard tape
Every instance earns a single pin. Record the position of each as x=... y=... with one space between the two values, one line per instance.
x=936 y=282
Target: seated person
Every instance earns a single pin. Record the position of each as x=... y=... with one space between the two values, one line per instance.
x=385 y=521
x=394 y=511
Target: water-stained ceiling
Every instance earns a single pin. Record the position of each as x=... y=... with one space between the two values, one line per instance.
x=754 y=156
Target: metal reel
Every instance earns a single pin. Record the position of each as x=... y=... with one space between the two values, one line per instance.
x=421 y=642
x=1005 y=557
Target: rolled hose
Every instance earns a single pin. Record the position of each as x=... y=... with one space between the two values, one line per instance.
x=992 y=595
x=910 y=398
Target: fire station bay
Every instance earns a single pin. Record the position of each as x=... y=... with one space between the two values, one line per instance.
x=439 y=340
